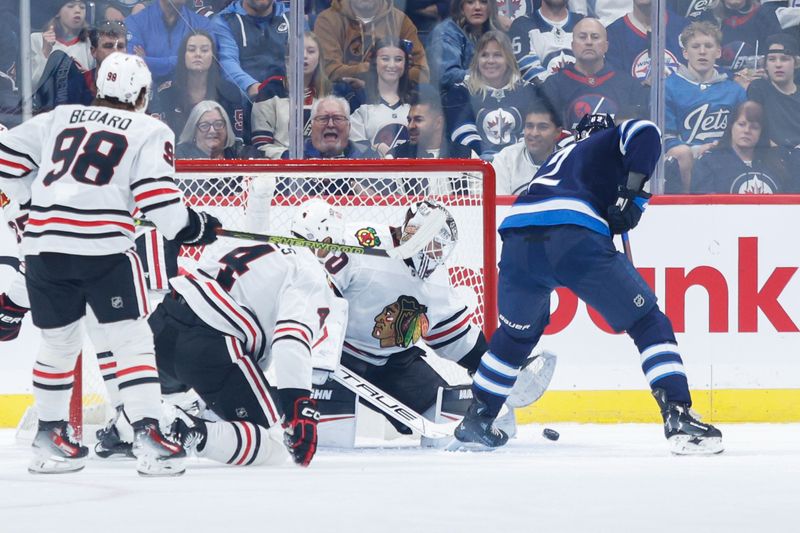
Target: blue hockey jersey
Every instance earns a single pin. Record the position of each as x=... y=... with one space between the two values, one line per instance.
x=577 y=184
x=697 y=112
x=608 y=91
x=540 y=47
x=629 y=45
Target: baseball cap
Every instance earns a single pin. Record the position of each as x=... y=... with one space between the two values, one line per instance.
x=782 y=43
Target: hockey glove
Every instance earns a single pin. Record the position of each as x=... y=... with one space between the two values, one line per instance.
x=625 y=214
x=201 y=229
x=10 y=318
x=300 y=427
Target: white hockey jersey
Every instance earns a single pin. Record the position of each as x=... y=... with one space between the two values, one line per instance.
x=380 y=123
x=514 y=169
x=84 y=170
x=391 y=309
x=275 y=299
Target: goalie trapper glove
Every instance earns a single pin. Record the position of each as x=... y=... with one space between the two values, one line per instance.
x=11 y=316
x=625 y=214
x=300 y=425
x=201 y=229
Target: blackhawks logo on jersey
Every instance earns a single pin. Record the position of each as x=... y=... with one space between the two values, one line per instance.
x=4 y=200
x=401 y=323
x=368 y=237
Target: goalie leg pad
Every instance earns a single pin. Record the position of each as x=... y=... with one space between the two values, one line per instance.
x=54 y=371
x=533 y=380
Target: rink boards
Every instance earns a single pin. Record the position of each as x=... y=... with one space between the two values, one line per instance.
x=725 y=272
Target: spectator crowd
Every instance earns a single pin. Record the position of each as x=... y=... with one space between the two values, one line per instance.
x=496 y=79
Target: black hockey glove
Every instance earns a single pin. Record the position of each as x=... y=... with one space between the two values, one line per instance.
x=625 y=214
x=10 y=318
x=201 y=229
x=300 y=425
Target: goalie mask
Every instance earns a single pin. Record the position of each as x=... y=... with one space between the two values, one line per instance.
x=590 y=124
x=123 y=76
x=437 y=250
x=318 y=220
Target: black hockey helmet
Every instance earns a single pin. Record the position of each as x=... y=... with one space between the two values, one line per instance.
x=591 y=123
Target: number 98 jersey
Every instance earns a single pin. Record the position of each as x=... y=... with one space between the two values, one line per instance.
x=84 y=170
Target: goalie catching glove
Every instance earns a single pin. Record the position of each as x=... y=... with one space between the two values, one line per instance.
x=10 y=318
x=625 y=214
x=300 y=425
x=201 y=229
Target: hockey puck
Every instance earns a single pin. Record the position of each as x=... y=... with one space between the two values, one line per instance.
x=550 y=434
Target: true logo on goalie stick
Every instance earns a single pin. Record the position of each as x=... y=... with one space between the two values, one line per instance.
x=368 y=237
x=116 y=302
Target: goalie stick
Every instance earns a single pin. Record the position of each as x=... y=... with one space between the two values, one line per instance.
x=405 y=250
x=392 y=407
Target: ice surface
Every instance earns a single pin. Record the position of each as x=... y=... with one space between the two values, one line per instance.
x=599 y=478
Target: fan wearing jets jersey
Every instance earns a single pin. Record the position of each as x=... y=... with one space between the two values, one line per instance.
x=80 y=170
x=247 y=308
x=397 y=305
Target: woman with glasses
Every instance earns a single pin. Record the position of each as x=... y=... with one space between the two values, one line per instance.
x=487 y=112
x=380 y=123
x=207 y=134
x=271 y=111
x=197 y=78
x=67 y=31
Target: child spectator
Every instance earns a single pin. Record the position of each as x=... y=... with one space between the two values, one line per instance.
x=778 y=93
x=743 y=162
x=380 y=122
x=698 y=99
x=67 y=32
x=486 y=111
x=452 y=43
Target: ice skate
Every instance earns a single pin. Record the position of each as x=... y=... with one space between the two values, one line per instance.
x=684 y=432
x=156 y=455
x=189 y=430
x=55 y=450
x=478 y=428
x=110 y=445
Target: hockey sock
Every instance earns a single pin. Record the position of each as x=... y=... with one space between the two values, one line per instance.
x=137 y=378
x=661 y=361
x=243 y=444
x=54 y=371
x=108 y=369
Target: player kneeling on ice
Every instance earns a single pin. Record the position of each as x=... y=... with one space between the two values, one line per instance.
x=396 y=306
x=559 y=234
x=246 y=309
x=81 y=170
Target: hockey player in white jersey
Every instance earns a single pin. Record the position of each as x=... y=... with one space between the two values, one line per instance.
x=247 y=309
x=395 y=305
x=80 y=171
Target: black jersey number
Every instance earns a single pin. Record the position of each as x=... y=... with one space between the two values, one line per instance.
x=237 y=262
x=102 y=152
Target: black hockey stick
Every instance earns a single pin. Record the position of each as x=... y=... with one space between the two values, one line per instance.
x=392 y=407
x=626 y=246
x=9 y=260
x=405 y=250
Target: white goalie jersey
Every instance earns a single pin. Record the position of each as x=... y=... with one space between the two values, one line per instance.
x=391 y=309
x=84 y=170
x=275 y=299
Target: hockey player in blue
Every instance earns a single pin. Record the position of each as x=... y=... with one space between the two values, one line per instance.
x=559 y=234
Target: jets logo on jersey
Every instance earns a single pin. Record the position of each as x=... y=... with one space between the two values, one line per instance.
x=559 y=61
x=391 y=135
x=754 y=183
x=401 y=323
x=737 y=55
x=591 y=103
x=704 y=124
x=697 y=7
x=500 y=126
x=368 y=237
x=640 y=68
x=516 y=8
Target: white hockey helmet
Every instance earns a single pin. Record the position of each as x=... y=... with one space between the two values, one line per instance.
x=123 y=76
x=439 y=248
x=317 y=220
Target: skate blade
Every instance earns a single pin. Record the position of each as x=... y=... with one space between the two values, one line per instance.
x=41 y=465
x=686 y=445
x=148 y=467
x=459 y=446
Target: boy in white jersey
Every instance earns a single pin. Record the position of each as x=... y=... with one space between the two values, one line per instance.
x=81 y=171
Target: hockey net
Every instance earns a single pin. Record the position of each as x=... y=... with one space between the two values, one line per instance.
x=263 y=196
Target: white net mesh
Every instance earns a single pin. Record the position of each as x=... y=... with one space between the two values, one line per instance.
x=263 y=198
